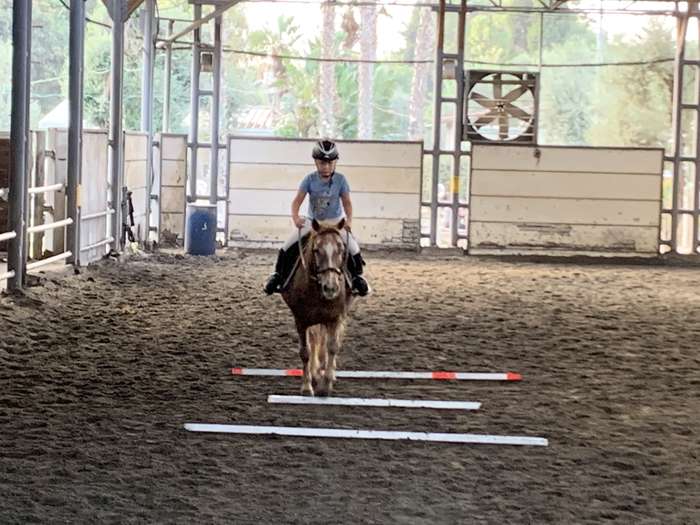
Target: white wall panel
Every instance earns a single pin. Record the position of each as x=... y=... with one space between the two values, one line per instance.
x=266 y=231
x=361 y=178
x=371 y=205
x=286 y=152
x=173 y=178
x=528 y=199
x=174 y=173
x=558 y=237
x=135 y=145
x=173 y=147
x=565 y=211
x=135 y=173
x=94 y=189
x=552 y=158
x=265 y=174
x=620 y=186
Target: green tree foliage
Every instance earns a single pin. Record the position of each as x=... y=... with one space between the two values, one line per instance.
x=578 y=105
x=391 y=93
x=5 y=87
x=635 y=101
x=96 y=91
x=50 y=36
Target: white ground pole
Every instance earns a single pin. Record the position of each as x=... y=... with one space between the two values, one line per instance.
x=370 y=402
x=369 y=374
x=368 y=434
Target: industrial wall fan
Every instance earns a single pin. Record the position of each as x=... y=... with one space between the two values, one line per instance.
x=500 y=106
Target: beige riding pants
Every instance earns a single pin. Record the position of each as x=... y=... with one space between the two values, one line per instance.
x=348 y=238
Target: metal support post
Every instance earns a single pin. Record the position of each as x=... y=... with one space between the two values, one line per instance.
x=19 y=136
x=147 y=106
x=459 y=111
x=194 y=103
x=75 y=127
x=681 y=31
x=695 y=246
x=216 y=99
x=116 y=135
x=437 y=117
x=166 y=80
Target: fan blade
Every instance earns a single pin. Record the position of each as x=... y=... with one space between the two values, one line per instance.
x=497 y=91
x=481 y=99
x=515 y=94
x=503 y=126
x=486 y=118
x=516 y=112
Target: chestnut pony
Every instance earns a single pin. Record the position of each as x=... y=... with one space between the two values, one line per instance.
x=319 y=297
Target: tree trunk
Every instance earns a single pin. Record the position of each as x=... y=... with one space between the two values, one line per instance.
x=327 y=127
x=424 y=50
x=368 y=51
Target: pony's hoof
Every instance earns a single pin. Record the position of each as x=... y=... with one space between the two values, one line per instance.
x=325 y=388
x=322 y=392
x=307 y=391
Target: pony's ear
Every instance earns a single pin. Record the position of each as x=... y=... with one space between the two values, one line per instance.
x=315 y=225
x=341 y=224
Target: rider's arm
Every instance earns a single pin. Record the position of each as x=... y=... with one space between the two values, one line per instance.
x=347 y=206
x=296 y=204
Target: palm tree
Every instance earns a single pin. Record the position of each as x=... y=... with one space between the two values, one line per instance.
x=424 y=50
x=278 y=42
x=368 y=51
x=327 y=82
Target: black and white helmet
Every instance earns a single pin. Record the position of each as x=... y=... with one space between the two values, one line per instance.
x=325 y=150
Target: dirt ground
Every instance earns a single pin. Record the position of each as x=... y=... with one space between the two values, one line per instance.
x=100 y=371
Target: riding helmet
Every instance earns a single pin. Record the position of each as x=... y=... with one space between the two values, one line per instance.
x=325 y=150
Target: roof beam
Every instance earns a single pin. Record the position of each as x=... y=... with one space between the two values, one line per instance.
x=130 y=7
x=217 y=12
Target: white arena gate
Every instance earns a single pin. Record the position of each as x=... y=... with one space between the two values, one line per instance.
x=95 y=212
x=47 y=215
x=51 y=147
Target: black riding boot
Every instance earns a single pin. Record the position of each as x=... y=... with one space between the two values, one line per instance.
x=286 y=259
x=276 y=280
x=359 y=284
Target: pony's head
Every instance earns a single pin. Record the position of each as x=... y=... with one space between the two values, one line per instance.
x=329 y=253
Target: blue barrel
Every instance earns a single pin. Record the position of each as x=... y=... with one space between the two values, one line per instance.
x=200 y=237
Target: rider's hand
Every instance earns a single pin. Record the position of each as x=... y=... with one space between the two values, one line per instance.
x=348 y=226
x=298 y=221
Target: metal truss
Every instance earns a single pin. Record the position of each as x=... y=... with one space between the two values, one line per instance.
x=682 y=214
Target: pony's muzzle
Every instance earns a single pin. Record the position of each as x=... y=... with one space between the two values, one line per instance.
x=330 y=290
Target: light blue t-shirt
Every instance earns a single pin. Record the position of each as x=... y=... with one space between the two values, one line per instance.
x=324 y=197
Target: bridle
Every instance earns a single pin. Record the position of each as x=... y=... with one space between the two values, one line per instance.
x=313 y=275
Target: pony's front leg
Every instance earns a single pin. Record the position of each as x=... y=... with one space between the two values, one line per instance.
x=334 y=336
x=306 y=387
